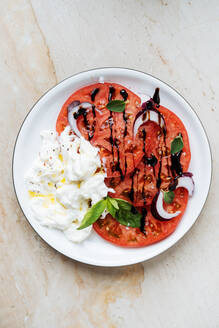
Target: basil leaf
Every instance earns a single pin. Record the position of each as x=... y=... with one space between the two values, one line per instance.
x=126 y=214
x=113 y=201
x=177 y=145
x=168 y=196
x=116 y=105
x=130 y=218
x=123 y=204
x=110 y=208
x=93 y=214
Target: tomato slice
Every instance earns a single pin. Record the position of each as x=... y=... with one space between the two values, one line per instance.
x=141 y=188
x=134 y=166
x=116 y=233
x=121 y=157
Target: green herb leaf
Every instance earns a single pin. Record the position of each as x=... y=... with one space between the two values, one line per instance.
x=177 y=144
x=110 y=208
x=168 y=196
x=126 y=214
x=113 y=201
x=116 y=105
x=93 y=214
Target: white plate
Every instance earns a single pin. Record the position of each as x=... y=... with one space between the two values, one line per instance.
x=43 y=115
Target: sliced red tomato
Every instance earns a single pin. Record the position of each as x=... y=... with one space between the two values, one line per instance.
x=142 y=187
x=116 y=233
x=121 y=157
x=126 y=161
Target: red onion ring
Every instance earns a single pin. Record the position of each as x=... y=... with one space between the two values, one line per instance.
x=73 y=108
x=148 y=114
x=157 y=209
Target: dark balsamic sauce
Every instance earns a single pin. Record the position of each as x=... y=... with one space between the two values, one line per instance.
x=144 y=151
x=143 y=218
x=132 y=192
x=125 y=120
x=149 y=105
x=133 y=210
x=93 y=111
x=118 y=167
x=94 y=122
x=176 y=167
x=111 y=134
x=144 y=211
x=83 y=112
x=173 y=184
x=80 y=112
x=156 y=96
x=152 y=161
x=93 y=94
x=125 y=165
x=124 y=94
x=159 y=173
x=111 y=93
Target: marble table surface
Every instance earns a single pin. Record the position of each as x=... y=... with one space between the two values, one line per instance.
x=42 y=42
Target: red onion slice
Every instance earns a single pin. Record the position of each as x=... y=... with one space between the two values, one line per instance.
x=148 y=115
x=73 y=108
x=158 y=210
x=186 y=181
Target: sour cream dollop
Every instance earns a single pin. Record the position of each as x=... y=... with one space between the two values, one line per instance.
x=64 y=181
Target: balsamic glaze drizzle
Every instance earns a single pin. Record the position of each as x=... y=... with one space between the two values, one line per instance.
x=80 y=112
x=93 y=111
x=118 y=167
x=125 y=120
x=156 y=96
x=152 y=161
x=83 y=112
x=143 y=218
x=131 y=193
x=124 y=94
x=93 y=94
x=159 y=173
x=176 y=167
x=133 y=210
x=111 y=93
x=111 y=134
x=144 y=159
x=94 y=122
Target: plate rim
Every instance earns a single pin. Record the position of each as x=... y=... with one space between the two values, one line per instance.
x=155 y=253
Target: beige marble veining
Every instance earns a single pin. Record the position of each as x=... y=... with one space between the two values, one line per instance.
x=42 y=42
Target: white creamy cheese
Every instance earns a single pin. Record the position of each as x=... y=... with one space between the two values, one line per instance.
x=64 y=180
